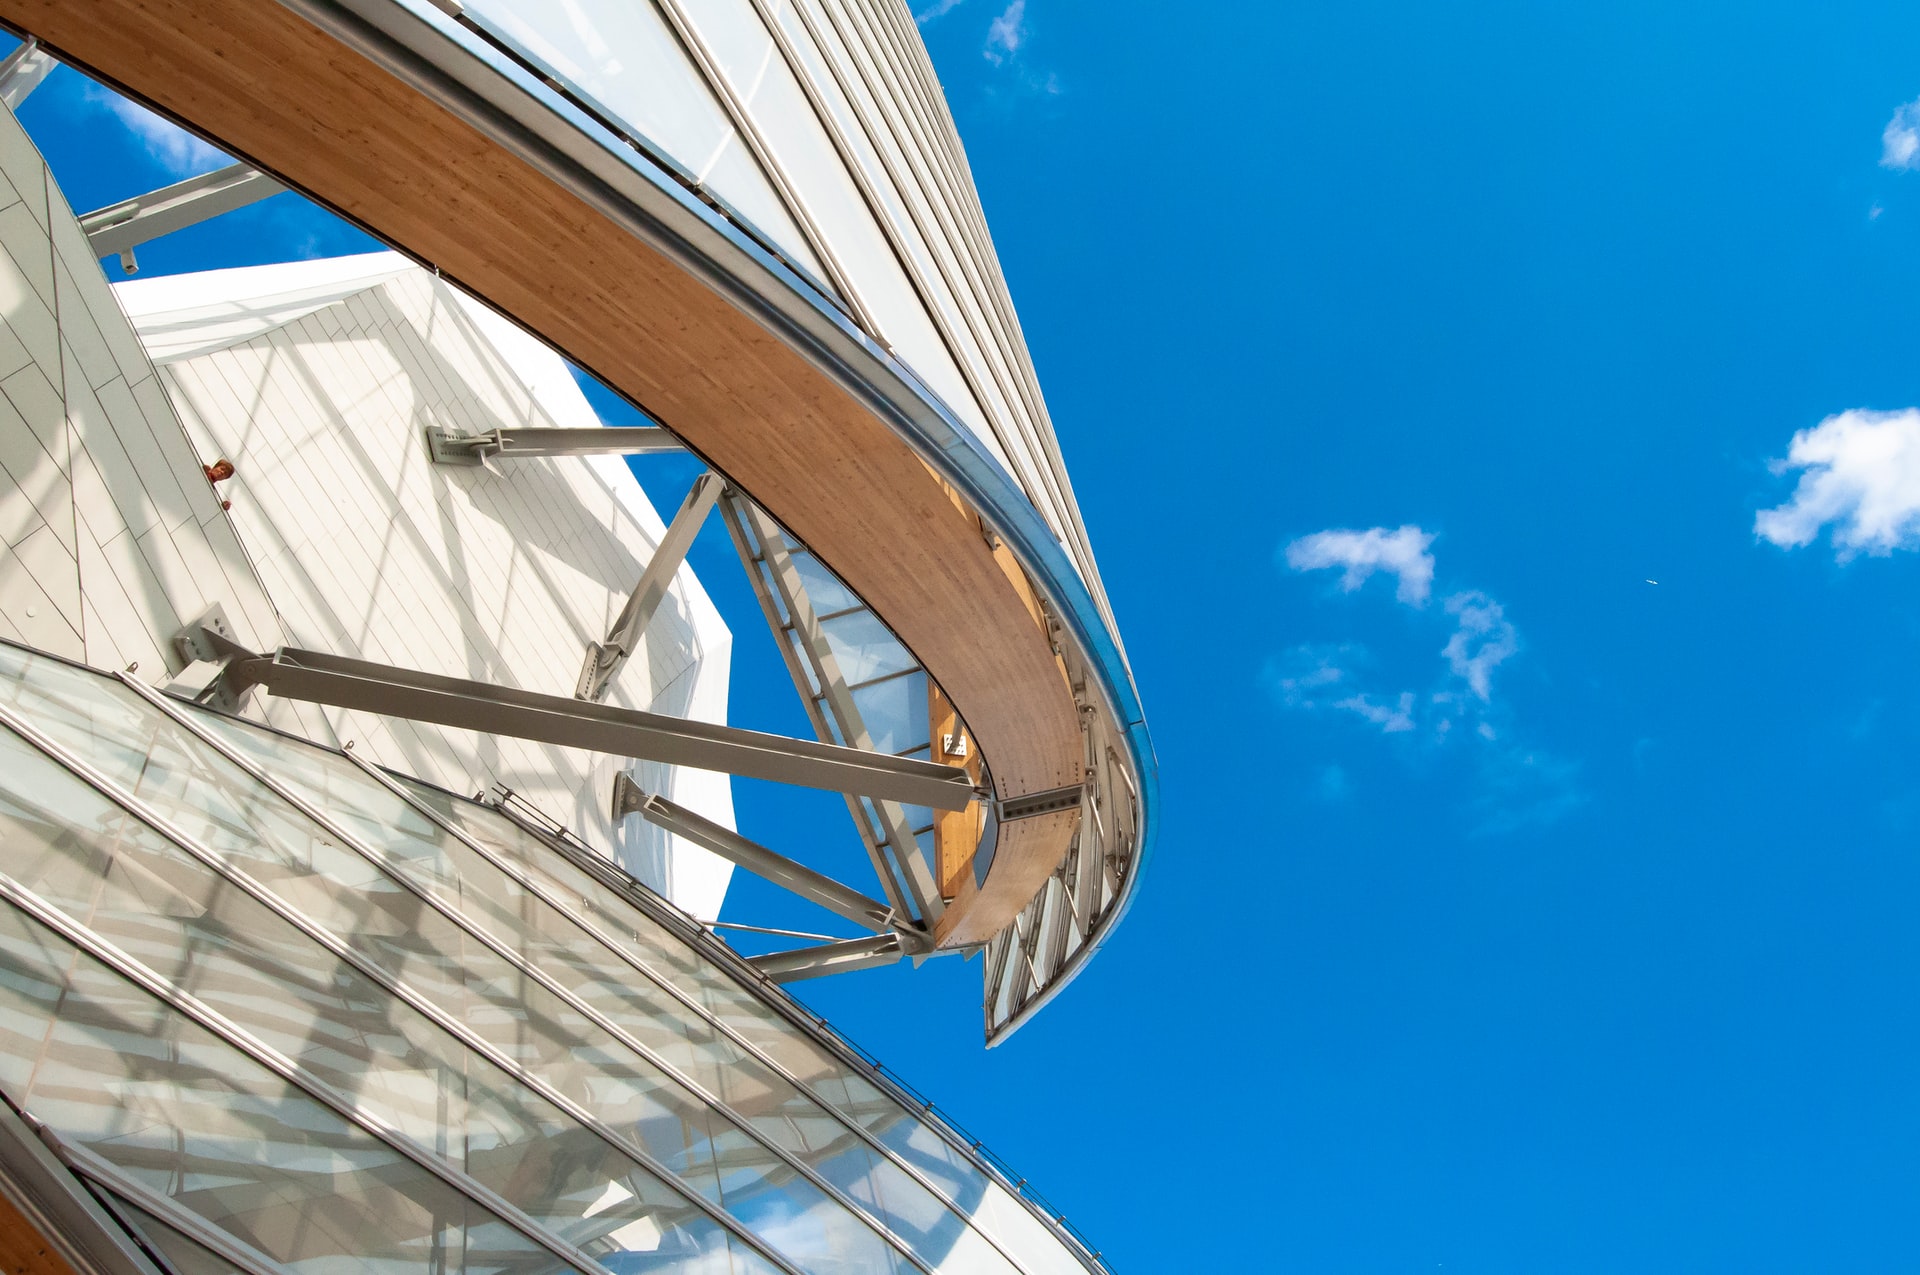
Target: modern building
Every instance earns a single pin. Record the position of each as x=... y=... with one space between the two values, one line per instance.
x=365 y=755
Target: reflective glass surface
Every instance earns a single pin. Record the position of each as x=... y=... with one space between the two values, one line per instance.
x=406 y=1033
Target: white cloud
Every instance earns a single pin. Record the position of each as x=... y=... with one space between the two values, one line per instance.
x=1481 y=639
x=1515 y=785
x=1307 y=675
x=1900 y=142
x=1006 y=33
x=1402 y=552
x=173 y=148
x=938 y=9
x=1862 y=475
x=1392 y=719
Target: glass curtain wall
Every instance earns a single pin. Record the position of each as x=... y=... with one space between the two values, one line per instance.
x=285 y=1011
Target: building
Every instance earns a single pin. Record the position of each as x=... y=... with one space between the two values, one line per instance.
x=365 y=805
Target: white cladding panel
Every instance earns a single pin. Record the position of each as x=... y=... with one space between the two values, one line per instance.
x=828 y=112
x=320 y=398
x=111 y=539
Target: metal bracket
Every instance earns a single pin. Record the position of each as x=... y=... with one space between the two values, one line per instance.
x=22 y=71
x=205 y=648
x=119 y=228
x=1034 y=804
x=449 y=448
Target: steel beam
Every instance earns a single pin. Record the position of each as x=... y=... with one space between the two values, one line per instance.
x=449 y=448
x=22 y=71
x=122 y=227
x=868 y=914
x=829 y=958
x=606 y=659
x=362 y=685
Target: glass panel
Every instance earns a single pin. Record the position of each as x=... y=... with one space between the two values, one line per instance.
x=622 y=56
x=183 y=1255
x=895 y=713
x=147 y=890
x=198 y=931
x=550 y=1037
x=825 y=593
x=766 y=1099
x=864 y=647
x=819 y=180
x=192 y=1118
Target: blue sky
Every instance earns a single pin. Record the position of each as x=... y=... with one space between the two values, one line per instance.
x=1511 y=912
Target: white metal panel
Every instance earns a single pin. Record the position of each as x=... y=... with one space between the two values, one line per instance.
x=113 y=535
x=368 y=549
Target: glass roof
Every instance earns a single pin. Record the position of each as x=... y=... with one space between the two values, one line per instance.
x=283 y=1010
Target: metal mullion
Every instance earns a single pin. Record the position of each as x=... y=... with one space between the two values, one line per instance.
x=1072 y=865
x=918 y=132
x=600 y=1020
x=875 y=206
x=1086 y=882
x=211 y=1020
x=718 y=1023
x=784 y=576
x=741 y=117
x=104 y=1175
x=1063 y=925
x=918 y=137
x=744 y=537
x=996 y=970
x=884 y=677
x=368 y=968
x=460 y=1032
x=948 y=186
x=1031 y=941
x=696 y=937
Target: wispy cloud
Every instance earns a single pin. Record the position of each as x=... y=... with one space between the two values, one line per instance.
x=938 y=9
x=1482 y=639
x=1900 y=142
x=1452 y=706
x=177 y=151
x=1359 y=554
x=1861 y=476
x=1392 y=718
x=1006 y=33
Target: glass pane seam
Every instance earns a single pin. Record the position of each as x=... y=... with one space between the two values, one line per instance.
x=691 y=1086
x=180 y=716
x=423 y=1005
x=102 y=1173
x=749 y=131
x=206 y=1017
x=918 y=1110
x=893 y=233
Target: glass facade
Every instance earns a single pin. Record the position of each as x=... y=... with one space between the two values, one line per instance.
x=282 y=1010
